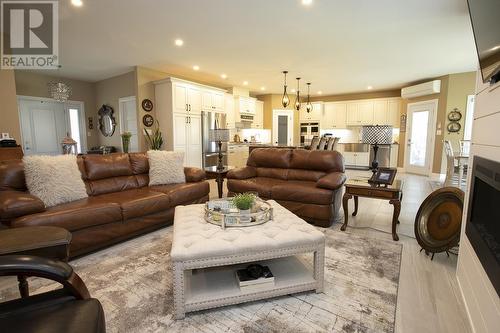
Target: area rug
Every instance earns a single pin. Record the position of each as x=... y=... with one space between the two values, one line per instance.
x=133 y=281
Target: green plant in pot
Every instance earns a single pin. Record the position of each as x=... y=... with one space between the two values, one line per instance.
x=126 y=141
x=244 y=203
x=155 y=140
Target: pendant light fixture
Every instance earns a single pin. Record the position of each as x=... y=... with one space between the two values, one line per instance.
x=309 y=106
x=285 y=100
x=297 y=99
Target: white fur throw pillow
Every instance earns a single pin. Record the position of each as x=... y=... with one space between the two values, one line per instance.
x=54 y=179
x=166 y=167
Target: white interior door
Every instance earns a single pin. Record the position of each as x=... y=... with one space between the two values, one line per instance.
x=128 y=121
x=420 y=137
x=43 y=126
x=283 y=127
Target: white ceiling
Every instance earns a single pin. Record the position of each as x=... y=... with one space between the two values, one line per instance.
x=341 y=46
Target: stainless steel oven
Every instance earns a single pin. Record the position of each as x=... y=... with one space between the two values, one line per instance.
x=307 y=132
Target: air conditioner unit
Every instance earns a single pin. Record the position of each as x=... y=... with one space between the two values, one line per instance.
x=423 y=89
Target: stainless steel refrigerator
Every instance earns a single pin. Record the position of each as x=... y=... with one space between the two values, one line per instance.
x=209 y=119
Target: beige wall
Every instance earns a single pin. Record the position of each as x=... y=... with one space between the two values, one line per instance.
x=108 y=92
x=9 y=115
x=35 y=84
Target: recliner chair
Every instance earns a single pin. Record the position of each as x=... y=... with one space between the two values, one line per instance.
x=70 y=309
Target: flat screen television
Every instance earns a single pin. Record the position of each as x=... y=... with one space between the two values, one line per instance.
x=485 y=18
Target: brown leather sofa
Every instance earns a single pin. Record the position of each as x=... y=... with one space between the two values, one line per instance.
x=308 y=183
x=120 y=203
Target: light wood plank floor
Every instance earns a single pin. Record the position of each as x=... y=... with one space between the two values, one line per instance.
x=428 y=298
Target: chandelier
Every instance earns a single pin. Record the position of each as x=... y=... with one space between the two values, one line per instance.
x=297 y=98
x=308 y=104
x=285 y=100
x=59 y=91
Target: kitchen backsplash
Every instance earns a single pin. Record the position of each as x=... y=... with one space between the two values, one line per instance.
x=260 y=135
x=353 y=135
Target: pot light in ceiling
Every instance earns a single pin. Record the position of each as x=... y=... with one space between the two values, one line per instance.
x=293 y=91
x=320 y=92
x=307 y=2
x=196 y=67
x=369 y=87
x=179 y=42
x=245 y=83
x=224 y=76
x=77 y=3
x=262 y=88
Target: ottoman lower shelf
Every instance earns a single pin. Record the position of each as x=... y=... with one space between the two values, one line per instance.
x=217 y=286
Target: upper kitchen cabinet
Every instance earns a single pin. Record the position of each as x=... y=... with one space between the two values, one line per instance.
x=187 y=98
x=315 y=115
x=380 y=112
x=246 y=104
x=393 y=112
x=258 y=120
x=231 y=113
x=213 y=100
x=334 y=115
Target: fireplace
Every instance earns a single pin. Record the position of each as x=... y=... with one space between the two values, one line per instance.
x=483 y=217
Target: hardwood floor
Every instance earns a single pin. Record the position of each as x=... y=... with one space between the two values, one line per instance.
x=428 y=298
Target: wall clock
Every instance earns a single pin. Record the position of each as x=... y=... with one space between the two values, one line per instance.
x=148 y=120
x=454 y=127
x=454 y=115
x=147 y=105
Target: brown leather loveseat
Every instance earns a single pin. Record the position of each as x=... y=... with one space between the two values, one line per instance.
x=120 y=203
x=308 y=183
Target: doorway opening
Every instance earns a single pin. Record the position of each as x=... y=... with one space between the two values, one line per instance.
x=283 y=127
x=420 y=137
x=45 y=122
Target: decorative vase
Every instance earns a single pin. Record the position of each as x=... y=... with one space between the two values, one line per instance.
x=245 y=215
x=125 y=143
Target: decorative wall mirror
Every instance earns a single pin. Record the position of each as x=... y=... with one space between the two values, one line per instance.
x=107 y=122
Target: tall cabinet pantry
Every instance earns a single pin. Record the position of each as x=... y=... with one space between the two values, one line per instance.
x=179 y=105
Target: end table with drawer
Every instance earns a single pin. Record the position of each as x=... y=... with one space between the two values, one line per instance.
x=360 y=187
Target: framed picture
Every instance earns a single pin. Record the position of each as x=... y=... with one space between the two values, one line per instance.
x=148 y=120
x=147 y=105
x=384 y=176
x=454 y=127
x=454 y=115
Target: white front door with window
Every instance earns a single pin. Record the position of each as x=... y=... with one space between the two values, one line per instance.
x=45 y=123
x=128 y=121
x=283 y=127
x=420 y=137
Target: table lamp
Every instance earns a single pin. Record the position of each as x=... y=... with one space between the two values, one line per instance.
x=219 y=135
x=376 y=135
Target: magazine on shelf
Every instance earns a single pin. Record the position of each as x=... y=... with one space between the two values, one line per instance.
x=245 y=279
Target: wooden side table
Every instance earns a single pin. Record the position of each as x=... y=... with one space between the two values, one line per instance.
x=361 y=188
x=219 y=175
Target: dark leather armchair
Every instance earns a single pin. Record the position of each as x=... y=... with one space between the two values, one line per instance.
x=69 y=309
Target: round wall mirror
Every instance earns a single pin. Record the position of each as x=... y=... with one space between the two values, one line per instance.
x=107 y=122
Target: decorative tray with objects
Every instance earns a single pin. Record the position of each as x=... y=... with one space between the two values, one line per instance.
x=224 y=212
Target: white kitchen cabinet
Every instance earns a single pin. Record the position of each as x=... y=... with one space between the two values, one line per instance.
x=380 y=112
x=187 y=137
x=352 y=117
x=393 y=113
x=246 y=105
x=393 y=161
x=334 y=115
x=315 y=115
x=213 y=100
x=360 y=113
x=231 y=112
x=356 y=159
x=258 y=120
x=178 y=105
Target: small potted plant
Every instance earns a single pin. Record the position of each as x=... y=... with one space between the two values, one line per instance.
x=244 y=202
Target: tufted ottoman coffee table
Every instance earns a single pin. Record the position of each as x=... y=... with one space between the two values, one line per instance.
x=205 y=258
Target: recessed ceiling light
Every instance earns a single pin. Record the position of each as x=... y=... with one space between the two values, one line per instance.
x=245 y=83
x=293 y=90
x=196 y=67
x=179 y=42
x=224 y=76
x=307 y=2
x=262 y=88
x=369 y=87
x=77 y=3
x=320 y=92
